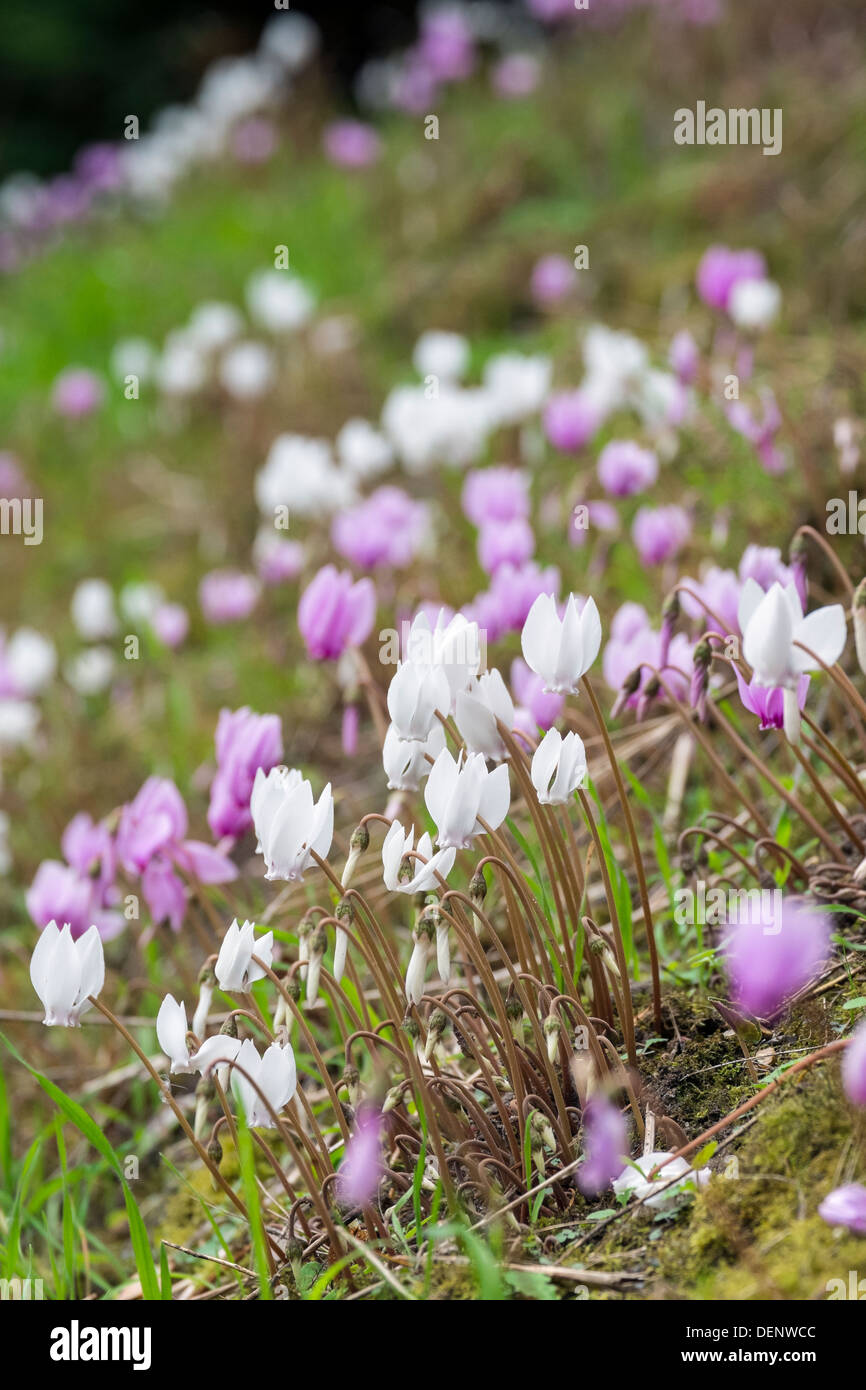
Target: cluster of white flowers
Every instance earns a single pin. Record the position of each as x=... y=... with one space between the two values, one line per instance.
x=231 y=91
x=27 y=664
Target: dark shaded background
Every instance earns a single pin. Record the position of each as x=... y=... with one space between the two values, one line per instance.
x=70 y=70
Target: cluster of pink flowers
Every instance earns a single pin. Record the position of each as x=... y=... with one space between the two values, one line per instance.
x=386 y=530
x=82 y=891
x=152 y=844
x=635 y=645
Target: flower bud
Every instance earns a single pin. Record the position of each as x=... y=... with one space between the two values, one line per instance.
x=360 y=838
x=436 y=1025
x=514 y=1014
x=701 y=658
x=629 y=687
x=351 y=1080
x=344 y=912
x=670 y=614
x=394 y=1097
x=550 y=1028
x=478 y=887
x=318 y=942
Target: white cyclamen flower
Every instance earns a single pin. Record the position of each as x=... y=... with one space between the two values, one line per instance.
x=558 y=767
x=655 y=1194
x=459 y=795
x=439 y=354
x=478 y=711
x=278 y=301
x=771 y=624
x=92 y=609
x=218 y=1051
x=90 y=671
x=30 y=660
x=754 y=304
x=422 y=950
x=275 y=1074
x=414 y=695
x=516 y=386
x=171 y=1032
x=561 y=650
x=235 y=968
x=362 y=450
x=18 y=722
x=405 y=759
x=417 y=877
x=213 y=325
x=455 y=647
x=65 y=972
x=290 y=826
x=247 y=371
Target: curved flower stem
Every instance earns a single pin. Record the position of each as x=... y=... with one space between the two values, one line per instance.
x=636 y=855
x=833 y=758
x=312 y=1045
x=841 y=819
x=793 y=801
x=184 y=1123
x=828 y=551
x=627 y=1015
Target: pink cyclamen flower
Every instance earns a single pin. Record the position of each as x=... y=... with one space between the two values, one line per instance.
x=59 y=892
x=846 y=1206
x=88 y=846
x=445 y=45
x=228 y=596
x=514 y=589
x=170 y=624
x=624 y=468
x=720 y=590
x=543 y=707
x=854 y=1066
x=495 y=494
x=761 y=433
x=768 y=963
x=549 y=11
x=77 y=392
x=100 y=167
x=606 y=1143
x=505 y=543
x=633 y=645
x=151 y=842
x=361 y=1168
x=517 y=75
x=335 y=612
x=721 y=269
x=591 y=516
x=764 y=564
x=254 y=141
x=351 y=144
x=570 y=421
x=684 y=357
x=12 y=480
x=767 y=701
x=278 y=561
x=660 y=532
x=244 y=743
x=553 y=279
x=386 y=529
x=81 y=892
